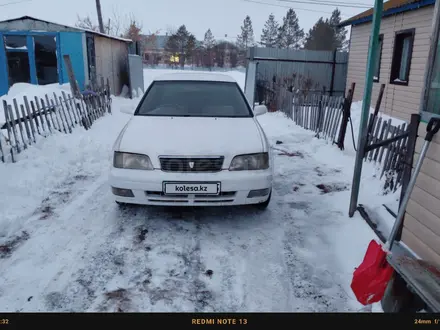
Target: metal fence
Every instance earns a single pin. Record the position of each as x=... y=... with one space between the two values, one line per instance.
x=304 y=70
x=26 y=121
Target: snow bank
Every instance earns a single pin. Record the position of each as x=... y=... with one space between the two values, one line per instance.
x=368 y=197
x=19 y=90
x=54 y=160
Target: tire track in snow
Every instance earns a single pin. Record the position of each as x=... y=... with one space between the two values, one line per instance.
x=309 y=262
x=53 y=251
x=125 y=273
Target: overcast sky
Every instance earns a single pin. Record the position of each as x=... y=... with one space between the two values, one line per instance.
x=223 y=17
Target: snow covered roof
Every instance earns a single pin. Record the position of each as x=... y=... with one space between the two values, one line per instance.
x=195 y=76
x=67 y=26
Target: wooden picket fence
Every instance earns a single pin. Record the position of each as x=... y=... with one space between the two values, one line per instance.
x=26 y=121
x=390 y=157
x=319 y=113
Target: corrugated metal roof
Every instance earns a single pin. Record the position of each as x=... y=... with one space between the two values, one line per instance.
x=67 y=26
x=391 y=7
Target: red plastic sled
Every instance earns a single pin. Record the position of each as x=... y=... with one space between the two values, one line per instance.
x=371 y=278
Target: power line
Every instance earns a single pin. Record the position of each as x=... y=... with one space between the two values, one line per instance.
x=329 y=3
x=13 y=3
x=343 y=2
x=281 y=6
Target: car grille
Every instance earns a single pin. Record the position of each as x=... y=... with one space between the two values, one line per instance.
x=191 y=164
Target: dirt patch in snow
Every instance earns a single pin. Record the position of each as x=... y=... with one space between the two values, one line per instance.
x=141 y=234
x=333 y=187
x=119 y=298
x=12 y=244
x=289 y=153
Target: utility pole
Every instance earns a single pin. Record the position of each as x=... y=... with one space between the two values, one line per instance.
x=98 y=9
x=362 y=138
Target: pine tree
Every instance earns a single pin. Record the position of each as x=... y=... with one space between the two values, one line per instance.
x=269 y=35
x=341 y=32
x=208 y=48
x=321 y=36
x=209 y=41
x=246 y=38
x=290 y=35
x=181 y=43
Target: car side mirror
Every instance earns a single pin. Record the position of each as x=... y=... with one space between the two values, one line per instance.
x=260 y=110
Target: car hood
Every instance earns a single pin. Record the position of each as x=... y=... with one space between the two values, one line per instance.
x=191 y=136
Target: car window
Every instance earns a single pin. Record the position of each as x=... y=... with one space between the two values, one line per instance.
x=194 y=99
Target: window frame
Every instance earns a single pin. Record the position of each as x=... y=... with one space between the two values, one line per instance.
x=396 y=61
x=433 y=53
x=381 y=39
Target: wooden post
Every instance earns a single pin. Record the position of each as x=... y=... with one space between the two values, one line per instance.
x=345 y=117
x=409 y=161
x=376 y=109
x=332 y=81
x=99 y=12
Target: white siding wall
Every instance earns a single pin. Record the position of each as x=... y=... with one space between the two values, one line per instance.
x=422 y=221
x=398 y=101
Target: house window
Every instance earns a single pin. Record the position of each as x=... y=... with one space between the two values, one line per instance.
x=432 y=104
x=46 y=62
x=400 y=67
x=15 y=42
x=377 y=60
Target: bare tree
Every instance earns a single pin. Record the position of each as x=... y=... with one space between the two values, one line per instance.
x=86 y=23
x=114 y=24
x=117 y=25
x=133 y=28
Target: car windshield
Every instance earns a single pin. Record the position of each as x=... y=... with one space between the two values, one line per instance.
x=194 y=99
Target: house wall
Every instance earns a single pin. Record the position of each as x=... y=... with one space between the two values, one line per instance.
x=398 y=101
x=4 y=85
x=71 y=43
x=421 y=232
x=112 y=62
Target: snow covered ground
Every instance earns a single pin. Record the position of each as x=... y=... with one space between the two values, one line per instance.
x=65 y=246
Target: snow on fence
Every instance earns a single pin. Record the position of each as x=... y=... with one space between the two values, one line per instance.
x=26 y=121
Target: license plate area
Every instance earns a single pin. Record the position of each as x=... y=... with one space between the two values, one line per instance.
x=191 y=188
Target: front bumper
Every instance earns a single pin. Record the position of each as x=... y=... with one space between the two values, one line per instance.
x=147 y=187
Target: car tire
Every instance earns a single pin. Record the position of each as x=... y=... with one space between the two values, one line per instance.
x=264 y=205
x=399 y=299
x=122 y=205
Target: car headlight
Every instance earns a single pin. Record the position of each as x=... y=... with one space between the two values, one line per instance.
x=132 y=161
x=250 y=162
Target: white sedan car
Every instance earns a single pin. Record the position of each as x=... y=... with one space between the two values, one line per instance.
x=193 y=140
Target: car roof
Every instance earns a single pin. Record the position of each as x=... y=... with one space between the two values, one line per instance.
x=195 y=76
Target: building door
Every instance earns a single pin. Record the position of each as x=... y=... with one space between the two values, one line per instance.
x=46 y=63
x=17 y=57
